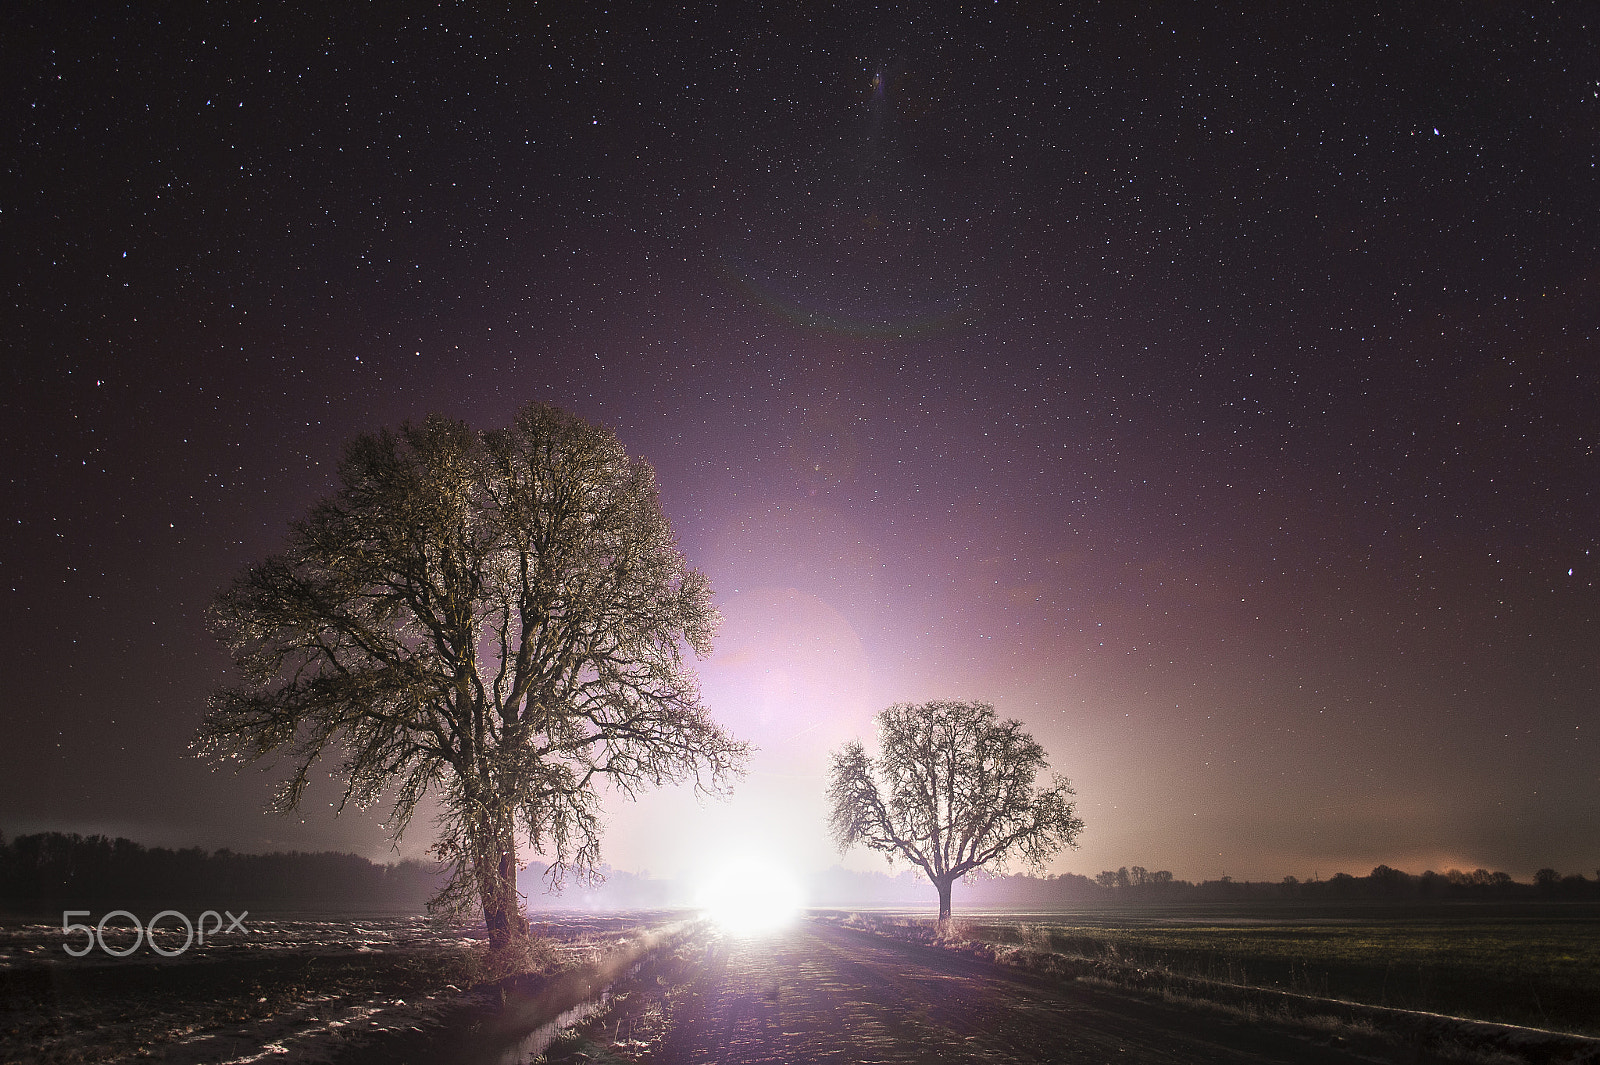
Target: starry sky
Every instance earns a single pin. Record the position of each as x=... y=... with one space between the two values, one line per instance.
x=1218 y=394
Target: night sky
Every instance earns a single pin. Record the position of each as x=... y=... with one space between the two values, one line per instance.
x=1219 y=395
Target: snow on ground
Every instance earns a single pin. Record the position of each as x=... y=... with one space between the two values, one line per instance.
x=314 y=1033
x=23 y=943
x=286 y=988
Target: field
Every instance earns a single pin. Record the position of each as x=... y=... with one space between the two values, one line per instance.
x=354 y=991
x=1532 y=965
x=294 y=988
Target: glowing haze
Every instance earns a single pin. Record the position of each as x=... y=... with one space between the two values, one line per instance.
x=1217 y=396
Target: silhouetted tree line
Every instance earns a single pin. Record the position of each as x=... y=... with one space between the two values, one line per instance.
x=58 y=870
x=1139 y=885
x=1382 y=883
x=53 y=870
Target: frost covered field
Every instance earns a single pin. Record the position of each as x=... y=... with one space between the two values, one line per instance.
x=288 y=988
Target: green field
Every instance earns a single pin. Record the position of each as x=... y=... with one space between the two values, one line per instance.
x=1531 y=964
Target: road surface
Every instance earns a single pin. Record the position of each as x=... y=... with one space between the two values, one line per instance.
x=819 y=993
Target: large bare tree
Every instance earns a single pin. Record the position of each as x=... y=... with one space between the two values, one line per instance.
x=495 y=618
x=951 y=792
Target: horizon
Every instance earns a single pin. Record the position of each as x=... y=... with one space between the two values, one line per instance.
x=900 y=871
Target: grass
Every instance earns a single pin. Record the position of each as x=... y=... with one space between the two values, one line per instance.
x=1533 y=966
x=1384 y=980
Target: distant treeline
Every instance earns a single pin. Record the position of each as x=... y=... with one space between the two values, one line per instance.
x=1139 y=884
x=843 y=888
x=53 y=869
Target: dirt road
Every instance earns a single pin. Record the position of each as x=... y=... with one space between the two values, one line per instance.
x=822 y=994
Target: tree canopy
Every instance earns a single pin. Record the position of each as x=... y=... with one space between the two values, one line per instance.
x=499 y=619
x=952 y=791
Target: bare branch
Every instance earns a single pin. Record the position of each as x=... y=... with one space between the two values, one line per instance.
x=498 y=619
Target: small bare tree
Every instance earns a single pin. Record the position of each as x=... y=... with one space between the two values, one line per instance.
x=952 y=791
x=495 y=618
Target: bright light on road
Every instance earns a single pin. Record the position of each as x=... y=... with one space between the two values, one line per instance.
x=750 y=896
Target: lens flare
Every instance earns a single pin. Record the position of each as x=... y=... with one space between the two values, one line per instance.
x=750 y=896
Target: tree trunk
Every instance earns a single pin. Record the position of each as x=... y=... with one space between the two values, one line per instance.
x=944 y=884
x=496 y=859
